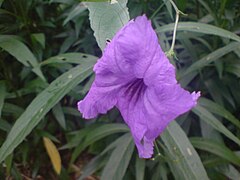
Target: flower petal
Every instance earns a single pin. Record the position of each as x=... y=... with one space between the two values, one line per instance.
x=160 y=71
x=131 y=109
x=102 y=95
x=148 y=113
x=137 y=44
x=98 y=100
x=163 y=104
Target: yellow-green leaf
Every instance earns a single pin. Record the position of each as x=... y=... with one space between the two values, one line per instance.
x=53 y=154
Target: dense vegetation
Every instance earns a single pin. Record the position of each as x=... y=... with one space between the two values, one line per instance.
x=47 y=51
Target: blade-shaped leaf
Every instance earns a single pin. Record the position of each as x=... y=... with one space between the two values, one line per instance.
x=100 y=160
x=184 y=160
x=212 y=57
x=119 y=160
x=219 y=110
x=53 y=154
x=75 y=58
x=42 y=104
x=75 y=12
x=106 y=19
x=205 y=115
x=98 y=133
x=215 y=148
x=199 y=28
x=21 y=52
x=140 y=168
x=2 y=95
x=59 y=115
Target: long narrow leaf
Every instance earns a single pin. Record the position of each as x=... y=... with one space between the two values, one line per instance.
x=97 y=134
x=216 y=148
x=219 y=110
x=42 y=104
x=119 y=160
x=2 y=95
x=205 y=115
x=212 y=57
x=184 y=160
x=199 y=28
x=21 y=52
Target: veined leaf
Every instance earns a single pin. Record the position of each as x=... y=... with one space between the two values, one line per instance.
x=106 y=19
x=42 y=104
x=53 y=154
x=184 y=160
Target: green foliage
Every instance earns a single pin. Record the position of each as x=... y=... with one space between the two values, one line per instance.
x=47 y=51
x=107 y=19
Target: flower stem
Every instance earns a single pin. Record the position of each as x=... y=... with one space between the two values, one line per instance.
x=178 y=12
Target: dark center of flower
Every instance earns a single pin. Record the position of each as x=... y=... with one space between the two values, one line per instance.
x=135 y=89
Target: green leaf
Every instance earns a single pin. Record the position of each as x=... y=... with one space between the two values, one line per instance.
x=219 y=110
x=215 y=55
x=1 y=1
x=215 y=148
x=140 y=168
x=4 y=125
x=2 y=95
x=42 y=104
x=21 y=52
x=40 y=38
x=169 y=7
x=106 y=19
x=100 y=160
x=77 y=137
x=229 y=171
x=95 y=164
x=75 y=58
x=199 y=28
x=185 y=162
x=205 y=115
x=119 y=160
x=233 y=68
x=12 y=109
x=75 y=12
x=97 y=134
x=59 y=115
x=8 y=162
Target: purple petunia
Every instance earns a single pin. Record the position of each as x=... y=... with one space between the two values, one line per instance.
x=135 y=76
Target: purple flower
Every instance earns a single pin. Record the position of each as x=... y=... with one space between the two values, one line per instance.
x=135 y=76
